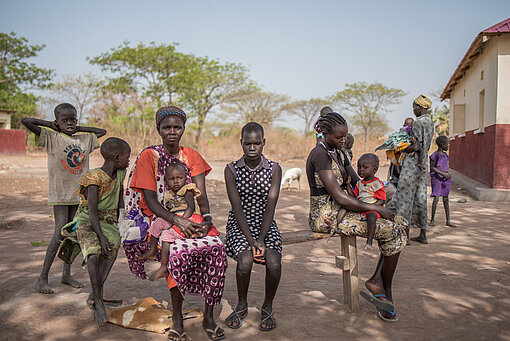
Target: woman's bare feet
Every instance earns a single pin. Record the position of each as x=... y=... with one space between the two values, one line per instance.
x=149 y=255
x=160 y=273
x=377 y=295
x=43 y=287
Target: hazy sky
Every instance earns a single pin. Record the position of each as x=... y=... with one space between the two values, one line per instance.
x=299 y=48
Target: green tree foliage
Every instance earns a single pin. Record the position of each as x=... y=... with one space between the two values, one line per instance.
x=251 y=103
x=81 y=91
x=206 y=84
x=366 y=104
x=18 y=76
x=163 y=76
x=441 y=118
x=152 y=70
x=307 y=110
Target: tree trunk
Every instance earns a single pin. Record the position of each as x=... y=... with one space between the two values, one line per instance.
x=365 y=131
x=200 y=127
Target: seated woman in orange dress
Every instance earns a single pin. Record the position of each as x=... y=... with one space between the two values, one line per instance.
x=195 y=265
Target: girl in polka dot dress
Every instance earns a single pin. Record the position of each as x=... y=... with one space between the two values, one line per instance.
x=253 y=186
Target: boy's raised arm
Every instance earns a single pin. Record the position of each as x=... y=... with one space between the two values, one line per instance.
x=98 y=131
x=35 y=124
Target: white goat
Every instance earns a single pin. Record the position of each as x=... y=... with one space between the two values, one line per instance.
x=291 y=174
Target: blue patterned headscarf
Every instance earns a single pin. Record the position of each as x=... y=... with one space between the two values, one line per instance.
x=168 y=111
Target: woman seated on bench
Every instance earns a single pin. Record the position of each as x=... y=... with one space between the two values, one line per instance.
x=327 y=168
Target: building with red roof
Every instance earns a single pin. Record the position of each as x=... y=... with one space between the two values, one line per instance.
x=479 y=93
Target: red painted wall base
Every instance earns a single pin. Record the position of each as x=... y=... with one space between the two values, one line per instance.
x=12 y=141
x=484 y=157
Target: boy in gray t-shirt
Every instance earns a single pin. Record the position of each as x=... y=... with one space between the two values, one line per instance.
x=68 y=159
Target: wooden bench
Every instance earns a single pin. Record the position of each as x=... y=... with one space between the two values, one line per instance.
x=348 y=263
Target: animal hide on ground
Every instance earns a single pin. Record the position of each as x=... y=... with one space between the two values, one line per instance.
x=146 y=314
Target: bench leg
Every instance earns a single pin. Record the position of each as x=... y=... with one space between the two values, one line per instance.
x=350 y=275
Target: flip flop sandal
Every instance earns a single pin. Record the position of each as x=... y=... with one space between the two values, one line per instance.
x=374 y=299
x=236 y=316
x=391 y=312
x=181 y=337
x=419 y=240
x=268 y=316
x=212 y=334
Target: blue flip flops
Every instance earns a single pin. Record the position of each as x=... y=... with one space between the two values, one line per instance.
x=380 y=304
x=392 y=313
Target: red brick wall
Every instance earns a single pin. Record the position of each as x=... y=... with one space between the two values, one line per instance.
x=12 y=141
x=502 y=157
x=484 y=157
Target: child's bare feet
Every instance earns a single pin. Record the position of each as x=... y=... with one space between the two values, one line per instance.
x=369 y=247
x=449 y=223
x=329 y=223
x=70 y=280
x=100 y=312
x=90 y=301
x=432 y=223
x=149 y=255
x=43 y=287
x=160 y=273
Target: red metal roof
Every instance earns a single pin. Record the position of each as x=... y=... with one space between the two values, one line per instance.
x=501 y=27
x=474 y=50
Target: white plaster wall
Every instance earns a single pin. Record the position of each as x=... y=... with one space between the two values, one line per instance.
x=5 y=121
x=473 y=84
x=503 y=82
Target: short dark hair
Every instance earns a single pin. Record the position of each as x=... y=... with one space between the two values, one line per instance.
x=113 y=146
x=326 y=110
x=63 y=107
x=370 y=157
x=349 y=136
x=330 y=121
x=175 y=165
x=441 y=139
x=252 y=127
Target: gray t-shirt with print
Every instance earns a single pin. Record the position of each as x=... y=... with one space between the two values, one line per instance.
x=68 y=159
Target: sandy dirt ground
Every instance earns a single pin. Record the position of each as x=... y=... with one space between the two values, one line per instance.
x=457 y=287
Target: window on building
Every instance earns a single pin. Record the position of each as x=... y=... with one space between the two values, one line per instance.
x=459 y=119
x=481 y=109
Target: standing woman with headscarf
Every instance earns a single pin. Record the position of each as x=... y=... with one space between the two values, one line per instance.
x=410 y=200
x=195 y=265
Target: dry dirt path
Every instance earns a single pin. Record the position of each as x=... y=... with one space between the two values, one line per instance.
x=457 y=287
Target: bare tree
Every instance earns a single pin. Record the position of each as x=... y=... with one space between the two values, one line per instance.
x=79 y=90
x=254 y=104
x=307 y=109
x=366 y=103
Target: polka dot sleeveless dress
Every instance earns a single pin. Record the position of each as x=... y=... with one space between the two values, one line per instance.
x=253 y=188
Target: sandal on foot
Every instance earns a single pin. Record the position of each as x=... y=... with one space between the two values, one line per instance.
x=264 y=319
x=215 y=334
x=236 y=316
x=391 y=312
x=175 y=333
x=374 y=299
x=419 y=240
